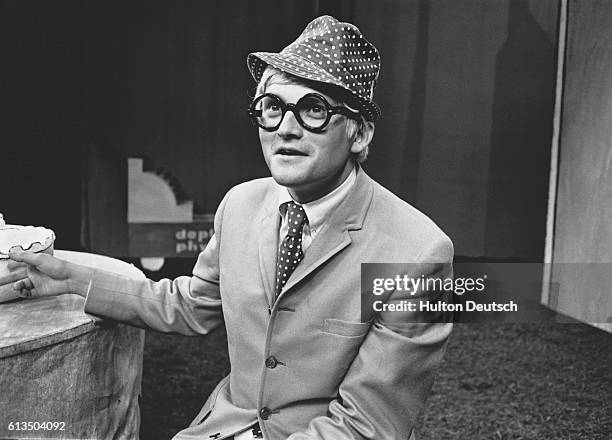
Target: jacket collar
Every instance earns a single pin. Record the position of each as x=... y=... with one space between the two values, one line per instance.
x=330 y=240
x=318 y=211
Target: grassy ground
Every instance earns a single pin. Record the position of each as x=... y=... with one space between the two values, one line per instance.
x=179 y=373
x=511 y=381
x=498 y=381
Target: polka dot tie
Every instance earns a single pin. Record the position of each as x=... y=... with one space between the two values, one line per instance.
x=290 y=252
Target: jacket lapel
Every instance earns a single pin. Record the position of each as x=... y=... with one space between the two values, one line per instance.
x=334 y=236
x=269 y=225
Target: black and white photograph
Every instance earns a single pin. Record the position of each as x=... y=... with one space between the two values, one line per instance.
x=306 y=220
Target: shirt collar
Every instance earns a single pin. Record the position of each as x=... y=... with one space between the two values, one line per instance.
x=318 y=210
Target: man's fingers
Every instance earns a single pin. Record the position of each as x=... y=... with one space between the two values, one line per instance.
x=24 y=287
x=28 y=257
x=11 y=277
x=25 y=293
x=12 y=265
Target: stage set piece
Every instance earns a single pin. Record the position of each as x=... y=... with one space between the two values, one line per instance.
x=65 y=374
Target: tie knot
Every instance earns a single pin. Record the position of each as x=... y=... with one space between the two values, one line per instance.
x=296 y=218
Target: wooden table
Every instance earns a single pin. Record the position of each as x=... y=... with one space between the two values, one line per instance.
x=65 y=374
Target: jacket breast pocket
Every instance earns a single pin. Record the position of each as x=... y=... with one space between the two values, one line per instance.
x=349 y=329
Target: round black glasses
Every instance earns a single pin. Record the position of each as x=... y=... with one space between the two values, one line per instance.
x=312 y=111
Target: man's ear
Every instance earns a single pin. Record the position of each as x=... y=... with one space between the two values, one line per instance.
x=363 y=137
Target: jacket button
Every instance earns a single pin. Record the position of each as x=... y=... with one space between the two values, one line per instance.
x=271 y=362
x=265 y=413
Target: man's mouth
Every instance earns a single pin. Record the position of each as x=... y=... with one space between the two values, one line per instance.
x=290 y=152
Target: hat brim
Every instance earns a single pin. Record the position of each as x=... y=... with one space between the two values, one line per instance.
x=303 y=68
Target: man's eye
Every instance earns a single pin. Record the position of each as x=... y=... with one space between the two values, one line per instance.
x=272 y=107
x=316 y=111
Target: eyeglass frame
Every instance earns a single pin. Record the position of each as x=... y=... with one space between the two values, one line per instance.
x=254 y=113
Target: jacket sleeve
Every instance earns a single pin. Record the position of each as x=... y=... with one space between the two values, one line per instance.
x=385 y=388
x=188 y=305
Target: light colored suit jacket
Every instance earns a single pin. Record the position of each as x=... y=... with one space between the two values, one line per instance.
x=306 y=366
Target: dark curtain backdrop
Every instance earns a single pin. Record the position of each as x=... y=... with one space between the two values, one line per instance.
x=466 y=91
x=40 y=115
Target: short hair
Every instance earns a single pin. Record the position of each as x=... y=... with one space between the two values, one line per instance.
x=272 y=75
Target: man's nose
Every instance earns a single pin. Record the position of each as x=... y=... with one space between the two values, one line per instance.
x=289 y=126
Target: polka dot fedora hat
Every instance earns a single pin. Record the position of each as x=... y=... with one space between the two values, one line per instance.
x=331 y=52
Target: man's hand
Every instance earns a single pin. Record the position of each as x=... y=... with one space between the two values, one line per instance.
x=47 y=275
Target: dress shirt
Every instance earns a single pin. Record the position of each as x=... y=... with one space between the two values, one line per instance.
x=317 y=211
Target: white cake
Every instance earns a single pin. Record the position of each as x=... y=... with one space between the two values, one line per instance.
x=19 y=238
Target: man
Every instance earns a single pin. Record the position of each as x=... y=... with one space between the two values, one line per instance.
x=283 y=268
